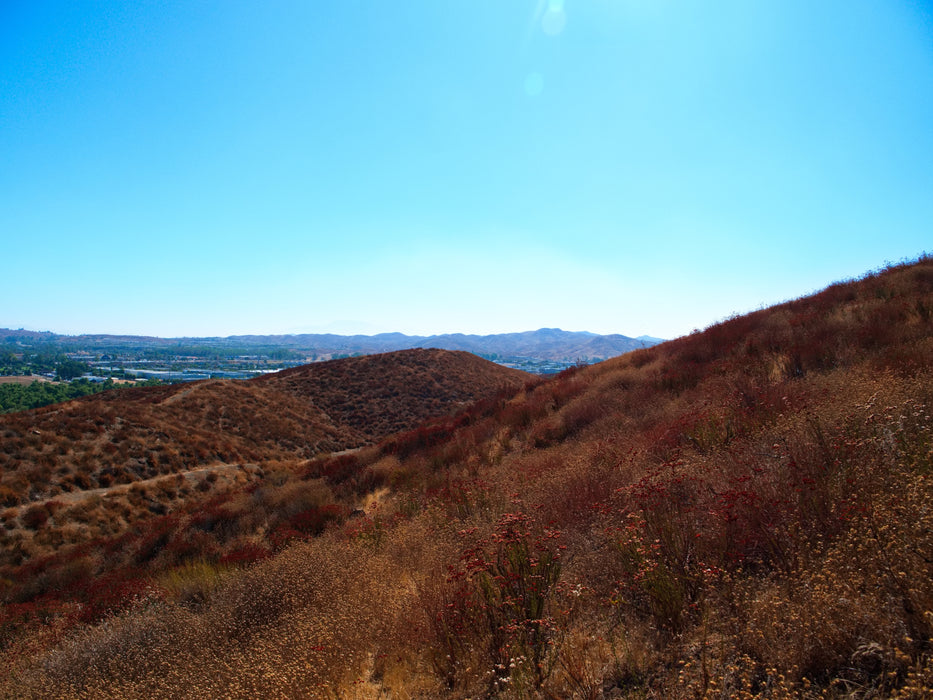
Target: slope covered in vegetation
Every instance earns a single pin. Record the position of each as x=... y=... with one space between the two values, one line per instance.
x=93 y=468
x=743 y=512
x=386 y=393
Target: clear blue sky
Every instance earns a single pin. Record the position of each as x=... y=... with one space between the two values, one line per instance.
x=431 y=166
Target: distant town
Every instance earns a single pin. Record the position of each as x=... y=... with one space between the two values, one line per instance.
x=101 y=358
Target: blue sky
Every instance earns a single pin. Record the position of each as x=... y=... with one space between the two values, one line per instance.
x=432 y=166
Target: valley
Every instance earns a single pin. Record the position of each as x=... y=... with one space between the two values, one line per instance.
x=49 y=355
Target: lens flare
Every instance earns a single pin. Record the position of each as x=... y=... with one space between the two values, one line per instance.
x=534 y=84
x=554 y=19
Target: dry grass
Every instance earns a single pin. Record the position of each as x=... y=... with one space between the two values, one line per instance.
x=744 y=512
x=23 y=379
x=102 y=444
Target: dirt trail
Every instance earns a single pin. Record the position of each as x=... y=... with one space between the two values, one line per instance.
x=178 y=396
x=192 y=475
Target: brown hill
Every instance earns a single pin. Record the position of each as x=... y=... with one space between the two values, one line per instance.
x=92 y=445
x=377 y=395
x=743 y=512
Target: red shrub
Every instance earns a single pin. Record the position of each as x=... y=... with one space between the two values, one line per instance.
x=35 y=517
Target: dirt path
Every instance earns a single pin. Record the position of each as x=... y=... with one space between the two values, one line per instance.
x=193 y=476
x=190 y=388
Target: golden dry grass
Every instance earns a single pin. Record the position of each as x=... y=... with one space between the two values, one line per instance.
x=744 y=512
x=102 y=444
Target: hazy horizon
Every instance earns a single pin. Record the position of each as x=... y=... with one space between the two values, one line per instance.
x=615 y=166
x=326 y=332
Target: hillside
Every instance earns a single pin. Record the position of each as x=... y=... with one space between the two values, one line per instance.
x=376 y=395
x=743 y=512
x=144 y=435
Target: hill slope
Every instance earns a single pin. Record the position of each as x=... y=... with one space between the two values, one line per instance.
x=136 y=436
x=743 y=512
x=377 y=395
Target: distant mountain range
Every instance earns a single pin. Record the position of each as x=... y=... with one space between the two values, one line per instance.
x=543 y=344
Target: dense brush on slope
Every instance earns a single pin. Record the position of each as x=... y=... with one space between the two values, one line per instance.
x=127 y=435
x=381 y=394
x=743 y=512
x=90 y=470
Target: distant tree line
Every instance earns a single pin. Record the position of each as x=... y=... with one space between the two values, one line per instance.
x=16 y=361
x=22 y=397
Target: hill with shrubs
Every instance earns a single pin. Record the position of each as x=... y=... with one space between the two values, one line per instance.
x=96 y=466
x=742 y=512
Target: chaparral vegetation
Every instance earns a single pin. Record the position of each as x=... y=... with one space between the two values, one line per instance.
x=743 y=512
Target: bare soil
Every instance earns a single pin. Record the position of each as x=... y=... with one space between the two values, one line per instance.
x=24 y=380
